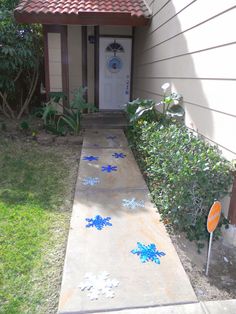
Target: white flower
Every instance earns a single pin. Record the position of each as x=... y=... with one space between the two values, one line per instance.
x=165 y=86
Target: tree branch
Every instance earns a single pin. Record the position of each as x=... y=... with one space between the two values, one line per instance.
x=32 y=88
x=5 y=104
x=17 y=76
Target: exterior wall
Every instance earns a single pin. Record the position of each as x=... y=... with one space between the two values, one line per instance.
x=115 y=30
x=55 y=62
x=75 y=55
x=74 y=58
x=90 y=58
x=192 y=45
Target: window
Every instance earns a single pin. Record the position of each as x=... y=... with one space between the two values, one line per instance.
x=115 y=47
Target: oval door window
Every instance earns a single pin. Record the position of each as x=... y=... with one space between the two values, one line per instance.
x=114 y=64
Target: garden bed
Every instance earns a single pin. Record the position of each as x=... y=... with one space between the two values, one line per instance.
x=221 y=282
x=36 y=194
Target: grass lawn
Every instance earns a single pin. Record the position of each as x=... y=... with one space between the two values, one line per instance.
x=36 y=189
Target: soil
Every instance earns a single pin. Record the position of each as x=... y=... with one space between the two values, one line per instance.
x=35 y=132
x=220 y=284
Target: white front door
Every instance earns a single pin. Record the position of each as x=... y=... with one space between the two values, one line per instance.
x=114 y=72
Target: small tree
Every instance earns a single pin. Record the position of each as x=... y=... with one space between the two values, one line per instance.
x=20 y=57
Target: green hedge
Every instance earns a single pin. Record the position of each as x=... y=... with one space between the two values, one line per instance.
x=184 y=173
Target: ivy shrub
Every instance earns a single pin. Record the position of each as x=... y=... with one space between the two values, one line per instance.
x=184 y=173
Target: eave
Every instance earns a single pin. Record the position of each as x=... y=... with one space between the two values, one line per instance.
x=83 y=18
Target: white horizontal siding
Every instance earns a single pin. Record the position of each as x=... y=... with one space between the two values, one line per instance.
x=219 y=128
x=192 y=45
x=216 y=63
x=208 y=93
x=167 y=12
x=157 y=6
x=199 y=12
x=206 y=36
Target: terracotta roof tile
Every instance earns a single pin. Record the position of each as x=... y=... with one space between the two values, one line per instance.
x=132 y=7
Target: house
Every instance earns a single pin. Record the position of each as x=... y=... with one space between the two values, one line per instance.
x=192 y=45
x=88 y=43
x=124 y=49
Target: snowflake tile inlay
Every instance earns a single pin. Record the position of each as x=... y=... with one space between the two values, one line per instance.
x=90 y=181
x=119 y=155
x=90 y=158
x=109 y=168
x=148 y=253
x=132 y=203
x=99 y=285
x=98 y=222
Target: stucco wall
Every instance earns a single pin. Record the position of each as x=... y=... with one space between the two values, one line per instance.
x=115 y=30
x=90 y=56
x=74 y=57
x=192 y=45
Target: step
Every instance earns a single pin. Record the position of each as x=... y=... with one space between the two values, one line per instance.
x=104 y=120
x=104 y=139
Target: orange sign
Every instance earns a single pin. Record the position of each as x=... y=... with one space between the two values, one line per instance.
x=213 y=216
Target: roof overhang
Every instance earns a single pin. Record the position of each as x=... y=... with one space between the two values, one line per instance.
x=82 y=18
x=89 y=12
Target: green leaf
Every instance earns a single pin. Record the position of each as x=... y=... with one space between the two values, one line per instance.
x=175 y=111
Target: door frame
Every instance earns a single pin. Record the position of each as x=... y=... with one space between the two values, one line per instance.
x=97 y=58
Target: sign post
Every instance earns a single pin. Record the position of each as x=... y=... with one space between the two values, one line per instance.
x=212 y=222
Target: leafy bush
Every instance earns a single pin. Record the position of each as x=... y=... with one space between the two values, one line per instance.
x=59 y=119
x=24 y=127
x=71 y=117
x=141 y=108
x=147 y=108
x=49 y=114
x=20 y=59
x=184 y=173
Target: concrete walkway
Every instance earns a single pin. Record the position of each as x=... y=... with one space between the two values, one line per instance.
x=112 y=213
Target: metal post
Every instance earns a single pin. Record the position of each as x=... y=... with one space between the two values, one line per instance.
x=209 y=253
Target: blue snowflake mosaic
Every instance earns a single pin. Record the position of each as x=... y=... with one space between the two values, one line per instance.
x=111 y=137
x=98 y=222
x=90 y=158
x=91 y=181
x=148 y=253
x=109 y=168
x=132 y=203
x=119 y=155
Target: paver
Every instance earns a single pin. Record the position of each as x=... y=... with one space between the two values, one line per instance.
x=120 y=207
